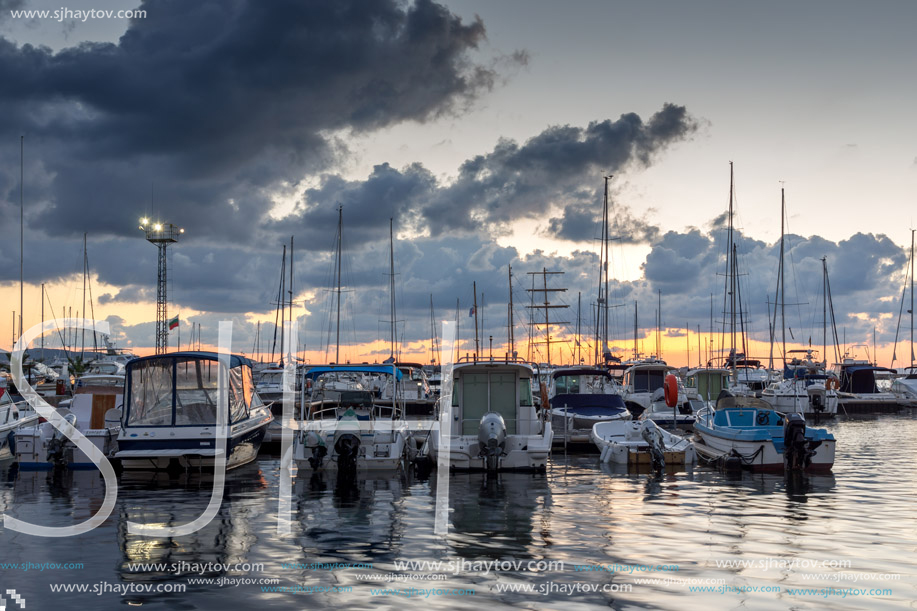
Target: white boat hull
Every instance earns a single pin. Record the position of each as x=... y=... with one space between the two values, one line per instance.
x=621 y=443
x=521 y=452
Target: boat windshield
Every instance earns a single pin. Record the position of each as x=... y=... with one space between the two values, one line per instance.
x=184 y=392
x=648 y=380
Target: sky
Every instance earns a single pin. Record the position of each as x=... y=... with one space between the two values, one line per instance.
x=484 y=130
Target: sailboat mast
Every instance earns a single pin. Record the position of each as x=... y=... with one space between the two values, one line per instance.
x=912 y=298
x=824 y=311
x=291 y=348
x=509 y=317
x=391 y=256
x=782 y=278
x=731 y=273
x=636 y=352
x=337 y=335
x=474 y=289
x=605 y=271
x=432 y=333
x=83 y=337
x=21 y=231
x=282 y=301
x=579 y=308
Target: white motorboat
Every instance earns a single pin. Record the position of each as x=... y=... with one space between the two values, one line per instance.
x=170 y=419
x=579 y=398
x=343 y=427
x=493 y=424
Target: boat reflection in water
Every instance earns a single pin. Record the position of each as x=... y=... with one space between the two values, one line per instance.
x=499 y=516
x=231 y=538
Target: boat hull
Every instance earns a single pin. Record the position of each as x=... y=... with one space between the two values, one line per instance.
x=182 y=454
x=521 y=452
x=622 y=444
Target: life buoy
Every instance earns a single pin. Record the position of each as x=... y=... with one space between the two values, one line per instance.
x=832 y=384
x=671 y=390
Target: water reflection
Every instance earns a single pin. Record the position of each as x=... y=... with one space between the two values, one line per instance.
x=498 y=515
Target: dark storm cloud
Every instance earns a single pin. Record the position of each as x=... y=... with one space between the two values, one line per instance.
x=548 y=171
x=217 y=102
x=510 y=183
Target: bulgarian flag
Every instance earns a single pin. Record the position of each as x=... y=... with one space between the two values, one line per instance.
x=173 y=323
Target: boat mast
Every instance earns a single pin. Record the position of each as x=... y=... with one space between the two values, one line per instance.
x=912 y=299
x=391 y=242
x=474 y=289
x=509 y=317
x=636 y=352
x=824 y=311
x=83 y=337
x=782 y=278
x=605 y=271
x=731 y=278
x=432 y=333
x=42 y=320
x=291 y=348
x=21 y=232
x=579 y=307
x=337 y=336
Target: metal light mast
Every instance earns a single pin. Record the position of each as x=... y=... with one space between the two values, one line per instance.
x=161 y=234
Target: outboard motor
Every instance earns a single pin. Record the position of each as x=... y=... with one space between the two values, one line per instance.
x=653 y=437
x=347 y=447
x=796 y=454
x=492 y=439
x=57 y=454
x=319 y=451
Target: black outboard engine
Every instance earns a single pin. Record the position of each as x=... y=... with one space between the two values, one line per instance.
x=653 y=437
x=347 y=447
x=492 y=439
x=58 y=454
x=796 y=454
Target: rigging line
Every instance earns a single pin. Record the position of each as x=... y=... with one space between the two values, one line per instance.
x=907 y=270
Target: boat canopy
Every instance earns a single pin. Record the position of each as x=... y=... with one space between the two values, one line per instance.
x=318 y=371
x=181 y=389
x=861 y=379
x=235 y=360
x=580 y=371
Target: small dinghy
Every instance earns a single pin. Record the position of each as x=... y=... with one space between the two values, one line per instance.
x=636 y=442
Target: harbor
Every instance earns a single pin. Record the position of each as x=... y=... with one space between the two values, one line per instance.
x=446 y=304
x=688 y=539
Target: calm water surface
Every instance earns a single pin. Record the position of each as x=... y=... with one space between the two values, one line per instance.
x=846 y=540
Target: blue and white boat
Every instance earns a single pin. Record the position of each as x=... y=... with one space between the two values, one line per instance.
x=171 y=409
x=343 y=426
x=580 y=398
x=751 y=432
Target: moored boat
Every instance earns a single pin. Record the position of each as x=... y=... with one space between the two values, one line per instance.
x=173 y=414
x=493 y=424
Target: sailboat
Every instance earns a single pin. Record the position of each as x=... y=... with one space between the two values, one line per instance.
x=581 y=397
x=805 y=388
x=745 y=429
x=905 y=387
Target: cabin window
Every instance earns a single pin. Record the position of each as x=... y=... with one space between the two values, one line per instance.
x=525 y=392
x=484 y=392
x=648 y=381
x=151 y=394
x=567 y=385
x=238 y=397
x=196 y=392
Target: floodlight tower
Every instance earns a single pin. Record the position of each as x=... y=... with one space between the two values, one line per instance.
x=161 y=234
